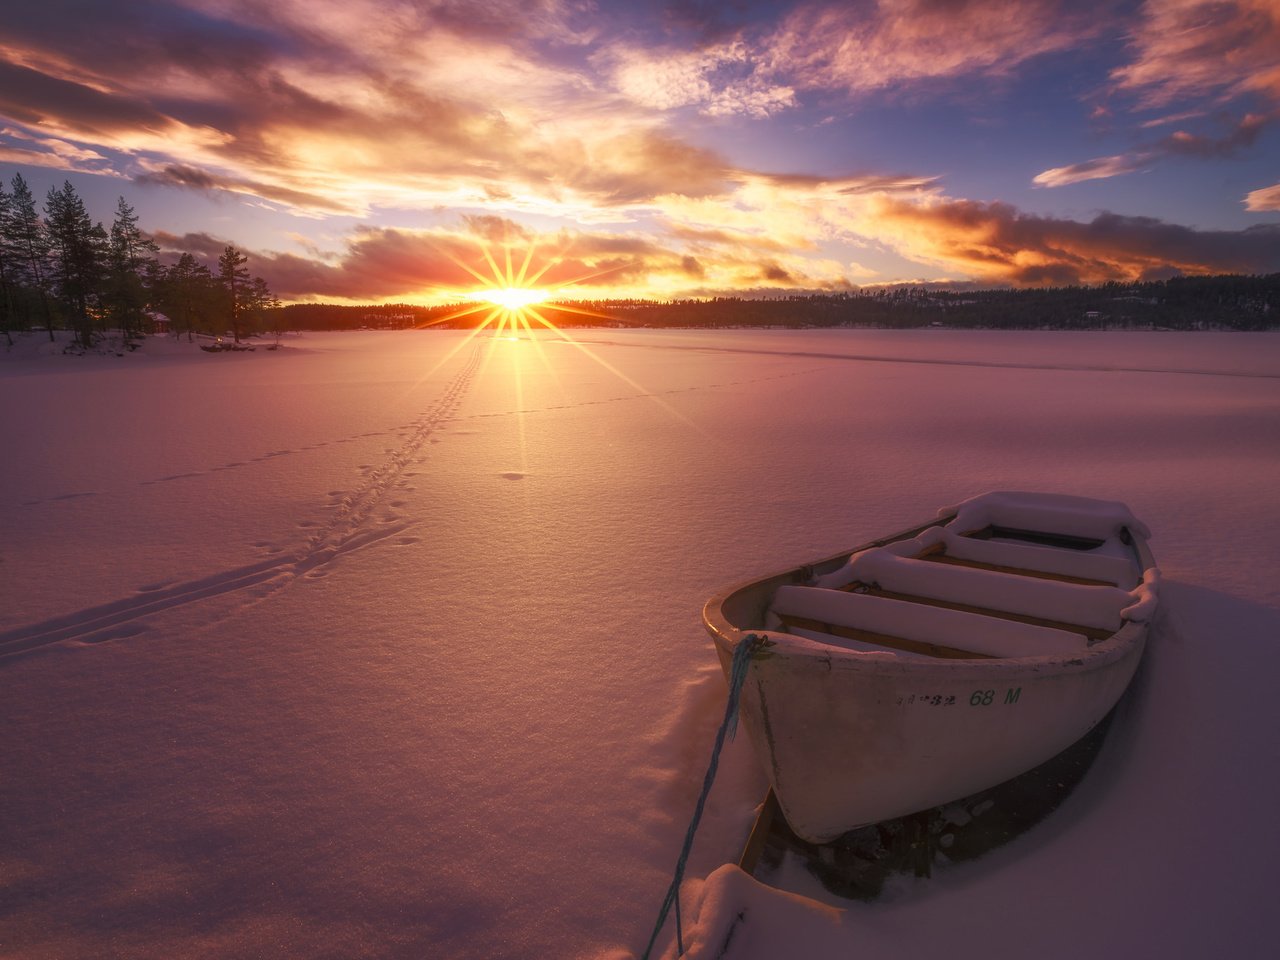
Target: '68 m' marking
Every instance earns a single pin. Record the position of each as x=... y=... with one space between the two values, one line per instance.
x=985 y=698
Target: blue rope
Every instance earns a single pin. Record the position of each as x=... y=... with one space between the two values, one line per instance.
x=737 y=675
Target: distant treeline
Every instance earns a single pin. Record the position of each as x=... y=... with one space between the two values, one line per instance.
x=63 y=271
x=1228 y=302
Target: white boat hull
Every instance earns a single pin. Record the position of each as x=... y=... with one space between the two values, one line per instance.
x=848 y=738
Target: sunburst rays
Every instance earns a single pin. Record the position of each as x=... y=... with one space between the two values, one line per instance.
x=508 y=288
x=511 y=301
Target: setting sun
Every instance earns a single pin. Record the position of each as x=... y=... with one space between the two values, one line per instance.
x=510 y=289
x=511 y=298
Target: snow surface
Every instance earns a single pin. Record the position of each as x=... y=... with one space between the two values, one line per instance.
x=387 y=644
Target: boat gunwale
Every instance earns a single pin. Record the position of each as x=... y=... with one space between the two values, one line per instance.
x=726 y=634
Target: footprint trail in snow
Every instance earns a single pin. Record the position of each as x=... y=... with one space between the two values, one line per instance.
x=355 y=524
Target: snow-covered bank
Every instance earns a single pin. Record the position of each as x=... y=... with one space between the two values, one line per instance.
x=387 y=644
x=36 y=346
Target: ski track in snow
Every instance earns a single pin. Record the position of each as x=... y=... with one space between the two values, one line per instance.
x=352 y=527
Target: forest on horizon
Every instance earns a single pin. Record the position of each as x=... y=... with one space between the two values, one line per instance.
x=1226 y=302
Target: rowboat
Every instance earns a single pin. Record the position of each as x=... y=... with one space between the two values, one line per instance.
x=928 y=665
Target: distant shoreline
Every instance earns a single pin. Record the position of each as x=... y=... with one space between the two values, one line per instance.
x=1227 y=302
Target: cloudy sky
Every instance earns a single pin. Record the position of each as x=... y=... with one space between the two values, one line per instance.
x=375 y=150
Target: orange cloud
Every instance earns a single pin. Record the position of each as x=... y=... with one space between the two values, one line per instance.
x=328 y=106
x=1264 y=199
x=1097 y=169
x=995 y=243
x=990 y=243
x=639 y=166
x=1193 y=48
x=443 y=265
x=1179 y=142
x=180 y=175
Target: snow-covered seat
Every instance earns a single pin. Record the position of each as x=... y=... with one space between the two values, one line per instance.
x=1057 y=512
x=1072 y=603
x=1088 y=565
x=874 y=622
x=1082 y=564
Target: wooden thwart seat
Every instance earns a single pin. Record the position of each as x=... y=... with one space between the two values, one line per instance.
x=1079 y=608
x=872 y=639
x=872 y=621
x=938 y=554
x=1093 y=633
x=1030 y=560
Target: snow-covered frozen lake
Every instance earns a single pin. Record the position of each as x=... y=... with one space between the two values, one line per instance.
x=388 y=644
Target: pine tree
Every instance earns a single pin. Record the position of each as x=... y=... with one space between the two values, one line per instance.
x=129 y=267
x=188 y=295
x=8 y=276
x=261 y=304
x=235 y=283
x=80 y=249
x=25 y=234
x=260 y=298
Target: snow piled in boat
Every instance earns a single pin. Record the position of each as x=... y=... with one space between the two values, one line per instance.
x=1062 y=513
x=900 y=567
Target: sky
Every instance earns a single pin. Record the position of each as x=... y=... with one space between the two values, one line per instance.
x=387 y=151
